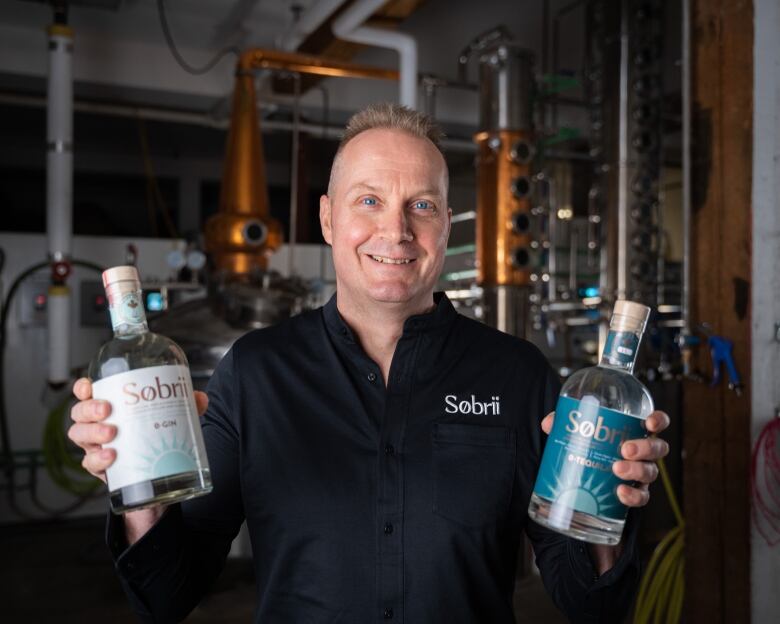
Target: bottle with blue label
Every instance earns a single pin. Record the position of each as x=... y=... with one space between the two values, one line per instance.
x=599 y=409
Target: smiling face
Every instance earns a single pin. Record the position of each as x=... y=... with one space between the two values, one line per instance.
x=387 y=219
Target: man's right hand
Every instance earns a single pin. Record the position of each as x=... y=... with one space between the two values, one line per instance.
x=90 y=432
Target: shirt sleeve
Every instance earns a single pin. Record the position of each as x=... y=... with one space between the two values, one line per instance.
x=168 y=570
x=565 y=565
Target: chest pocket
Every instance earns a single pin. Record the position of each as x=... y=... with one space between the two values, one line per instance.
x=473 y=471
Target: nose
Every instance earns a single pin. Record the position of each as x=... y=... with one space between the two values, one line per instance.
x=395 y=225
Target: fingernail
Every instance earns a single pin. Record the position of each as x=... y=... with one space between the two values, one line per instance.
x=629 y=450
x=105 y=454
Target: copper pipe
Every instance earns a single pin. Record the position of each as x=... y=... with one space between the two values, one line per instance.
x=259 y=58
x=242 y=235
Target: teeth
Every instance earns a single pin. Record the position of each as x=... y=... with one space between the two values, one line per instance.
x=391 y=261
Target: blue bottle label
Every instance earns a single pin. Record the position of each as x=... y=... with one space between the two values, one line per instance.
x=620 y=348
x=576 y=469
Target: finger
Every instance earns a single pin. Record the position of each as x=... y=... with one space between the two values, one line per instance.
x=90 y=411
x=547 y=422
x=82 y=389
x=642 y=471
x=98 y=461
x=87 y=435
x=649 y=449
x=657 y=421
x=201 y=402
x=633 y=497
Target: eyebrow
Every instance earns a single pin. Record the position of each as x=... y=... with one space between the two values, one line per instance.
x=365 y=186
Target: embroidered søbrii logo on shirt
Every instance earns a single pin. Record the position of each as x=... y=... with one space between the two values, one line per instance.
x=471 y=406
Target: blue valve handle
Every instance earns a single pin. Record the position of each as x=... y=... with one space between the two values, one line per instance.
x=721 y=351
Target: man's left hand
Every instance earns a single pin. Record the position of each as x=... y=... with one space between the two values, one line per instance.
x=639 y=466
x=640 y=457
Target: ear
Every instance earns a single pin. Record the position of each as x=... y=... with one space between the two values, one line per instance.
x=325 y=219
x=449 y=222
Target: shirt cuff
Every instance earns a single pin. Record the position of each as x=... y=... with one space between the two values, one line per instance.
x=132 y=561
x=585 y=569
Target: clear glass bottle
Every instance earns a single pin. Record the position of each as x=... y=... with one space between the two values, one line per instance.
x=159 y=443
x=599 y=408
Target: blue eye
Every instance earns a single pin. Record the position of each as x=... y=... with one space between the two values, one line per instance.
x=422 y=205
x=369 y=201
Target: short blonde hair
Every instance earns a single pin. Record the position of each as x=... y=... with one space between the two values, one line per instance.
x=392 y=117
x=385 y=115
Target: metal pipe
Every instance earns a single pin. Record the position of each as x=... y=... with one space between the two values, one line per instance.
x=686 y=162
x=622 y=207
x=552 y=234
x=261 y=58
x=348 y=26
x=59 y=195
x=199 y=119
x=469 y=215
x=573 y=244
x=294 y=173
x=556 y=37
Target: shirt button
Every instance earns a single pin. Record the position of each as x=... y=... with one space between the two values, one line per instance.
x=371 y=376
x=388 y=528
x=388 y=613
x=389 y=450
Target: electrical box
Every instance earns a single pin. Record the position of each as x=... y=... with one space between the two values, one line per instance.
x=93 y=305
x=33 y=299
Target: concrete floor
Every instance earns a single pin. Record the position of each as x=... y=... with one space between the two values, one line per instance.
x=63 y=573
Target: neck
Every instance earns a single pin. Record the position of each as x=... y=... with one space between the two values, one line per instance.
x=379 y=326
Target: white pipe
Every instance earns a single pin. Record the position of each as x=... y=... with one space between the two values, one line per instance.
x=59 y=143
x=310 y=20
x=58 y=325
x=59 y=194
x=348 y=27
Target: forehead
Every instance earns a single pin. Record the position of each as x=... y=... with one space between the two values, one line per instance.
x=392 y=156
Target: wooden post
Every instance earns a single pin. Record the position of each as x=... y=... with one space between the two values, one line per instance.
x=716 y=427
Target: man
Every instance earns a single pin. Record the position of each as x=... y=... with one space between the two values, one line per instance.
x=357 y=442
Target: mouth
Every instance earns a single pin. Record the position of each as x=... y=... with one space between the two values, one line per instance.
x=386 y=260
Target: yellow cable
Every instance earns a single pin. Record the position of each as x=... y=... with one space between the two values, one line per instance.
x=662 y=589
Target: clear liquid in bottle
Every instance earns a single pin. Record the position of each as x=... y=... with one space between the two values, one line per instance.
x=599 y=409
x=160 y=455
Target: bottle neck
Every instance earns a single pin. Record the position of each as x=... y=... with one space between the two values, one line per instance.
x=128 y=317
x=620 y=350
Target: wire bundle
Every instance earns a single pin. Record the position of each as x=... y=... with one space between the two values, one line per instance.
x=765 y=482
x=662 y=588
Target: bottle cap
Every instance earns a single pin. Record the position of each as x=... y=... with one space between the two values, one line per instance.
x=120 y=274
x=633 y=316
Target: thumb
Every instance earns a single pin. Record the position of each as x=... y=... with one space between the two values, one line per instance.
x=547 y=422
x=201 y=402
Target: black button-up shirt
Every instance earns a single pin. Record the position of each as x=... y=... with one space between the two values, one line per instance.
x=368 y=503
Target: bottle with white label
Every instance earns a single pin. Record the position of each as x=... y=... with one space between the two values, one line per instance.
x=599 y=409
x=160 y=456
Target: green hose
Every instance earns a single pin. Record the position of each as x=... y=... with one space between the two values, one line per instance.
x=62 y=464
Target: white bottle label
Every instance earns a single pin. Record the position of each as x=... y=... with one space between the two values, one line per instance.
x=158 y=432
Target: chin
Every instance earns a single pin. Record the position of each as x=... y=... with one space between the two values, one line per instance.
x=393 y=293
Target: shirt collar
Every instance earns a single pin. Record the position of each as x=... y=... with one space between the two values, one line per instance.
x=442 y=314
